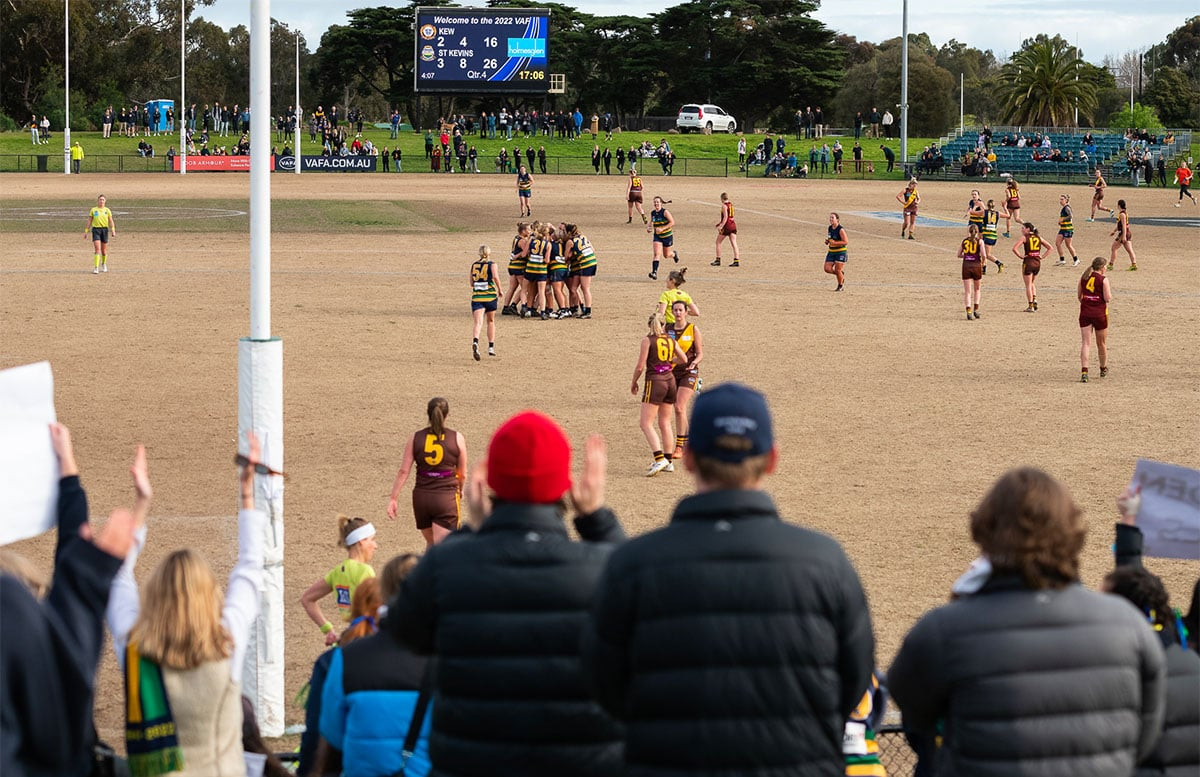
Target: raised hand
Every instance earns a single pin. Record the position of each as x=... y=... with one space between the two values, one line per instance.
x=587 y=493
x=60 y=439
x=479 y=506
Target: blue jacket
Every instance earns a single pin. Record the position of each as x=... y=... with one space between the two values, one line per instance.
x=367 y=705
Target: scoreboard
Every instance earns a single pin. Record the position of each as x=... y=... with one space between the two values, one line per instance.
x=481 y=50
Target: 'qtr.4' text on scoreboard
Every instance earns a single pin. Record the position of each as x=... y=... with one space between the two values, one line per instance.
x=481 y=50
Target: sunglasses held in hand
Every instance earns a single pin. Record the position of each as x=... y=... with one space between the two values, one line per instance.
x=259 y=467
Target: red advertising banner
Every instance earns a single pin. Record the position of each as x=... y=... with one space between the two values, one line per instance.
x=216 y=164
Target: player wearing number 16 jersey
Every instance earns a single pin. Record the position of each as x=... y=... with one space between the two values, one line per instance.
x=441 y=458
x=1094 y=295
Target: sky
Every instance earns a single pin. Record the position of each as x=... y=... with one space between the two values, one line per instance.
x=1101 y=27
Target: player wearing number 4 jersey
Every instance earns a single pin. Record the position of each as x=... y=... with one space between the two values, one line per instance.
x=441 y=458
x=1094 y=295
x=658 y=357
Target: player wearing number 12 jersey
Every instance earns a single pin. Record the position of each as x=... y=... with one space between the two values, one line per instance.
x=1094 y=295
x=440 y=455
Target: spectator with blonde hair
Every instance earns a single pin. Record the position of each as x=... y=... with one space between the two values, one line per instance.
x=182 y=648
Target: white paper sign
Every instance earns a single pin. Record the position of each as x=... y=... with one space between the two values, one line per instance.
x=1170 y=512
x=29 y=471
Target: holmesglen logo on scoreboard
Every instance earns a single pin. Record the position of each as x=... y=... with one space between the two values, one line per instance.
x=534 y=48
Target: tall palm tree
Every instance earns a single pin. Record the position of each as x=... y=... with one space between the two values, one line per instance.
x=1040 y=86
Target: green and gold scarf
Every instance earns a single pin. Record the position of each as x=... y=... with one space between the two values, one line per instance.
x=150 y=738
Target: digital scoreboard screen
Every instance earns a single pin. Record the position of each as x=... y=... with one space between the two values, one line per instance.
x=481 y=50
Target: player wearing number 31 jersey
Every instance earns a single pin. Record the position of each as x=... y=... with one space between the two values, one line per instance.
x=440 y=455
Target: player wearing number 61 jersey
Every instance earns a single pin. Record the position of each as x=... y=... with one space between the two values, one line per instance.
x=658 y=356
x=440 y=454
x=1094 y=295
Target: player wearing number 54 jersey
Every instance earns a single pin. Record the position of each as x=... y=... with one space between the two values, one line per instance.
x=1094 y=295
x=440 y=455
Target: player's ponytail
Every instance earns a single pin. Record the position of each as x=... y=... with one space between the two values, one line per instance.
x=1097 y=263
x=657 y=324
x=678 y=277
x=437 y=410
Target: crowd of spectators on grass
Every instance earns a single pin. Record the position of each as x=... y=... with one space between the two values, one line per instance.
x=728 y=642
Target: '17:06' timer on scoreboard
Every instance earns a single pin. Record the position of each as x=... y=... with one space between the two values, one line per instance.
x=481 y=50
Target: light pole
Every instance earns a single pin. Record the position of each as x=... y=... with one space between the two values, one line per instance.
x=298 y=113
x=181 y=114
x=67 y=73
x=904 y=92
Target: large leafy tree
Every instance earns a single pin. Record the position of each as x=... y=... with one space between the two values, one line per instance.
x=1040 y=85
x=980 y=75
x=876 y=83
x=749 y=56
x=1176 y=99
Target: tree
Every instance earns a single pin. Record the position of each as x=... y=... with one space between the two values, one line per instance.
x=1040 y=85
x=980 y=77
x=749 y=56
x=1141 y=117
x=1175 y=98
x=1182 y=49
x=374 y=52
x=931 y=89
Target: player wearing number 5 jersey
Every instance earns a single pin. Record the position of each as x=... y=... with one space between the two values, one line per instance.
x=440 y=454
x=1094 y=295
x=658 y=357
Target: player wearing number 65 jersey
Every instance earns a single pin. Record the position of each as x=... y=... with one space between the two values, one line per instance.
x=441 y=458
x=658 y=357
x=1094 y=295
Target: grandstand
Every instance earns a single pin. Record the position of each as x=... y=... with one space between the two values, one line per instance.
x=1111 y=148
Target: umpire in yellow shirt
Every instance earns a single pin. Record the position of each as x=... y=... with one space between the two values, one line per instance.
x=76 y=157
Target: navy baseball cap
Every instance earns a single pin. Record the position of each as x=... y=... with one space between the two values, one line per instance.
x=730 y=423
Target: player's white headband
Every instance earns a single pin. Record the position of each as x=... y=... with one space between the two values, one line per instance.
x=360 y=534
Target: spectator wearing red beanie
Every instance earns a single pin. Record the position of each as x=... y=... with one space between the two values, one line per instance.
x=503 y=609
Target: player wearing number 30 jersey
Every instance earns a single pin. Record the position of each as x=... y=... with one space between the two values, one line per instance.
x=440 y=455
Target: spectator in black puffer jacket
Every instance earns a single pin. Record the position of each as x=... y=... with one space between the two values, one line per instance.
x=1177 y=753
x=730 y=643
x=1032 y=674
x=503 y=610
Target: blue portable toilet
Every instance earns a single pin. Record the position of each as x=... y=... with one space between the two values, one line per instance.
x=162 y=106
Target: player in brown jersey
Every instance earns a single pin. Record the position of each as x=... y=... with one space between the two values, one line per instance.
x=1030 y=252
x=1098 y=187
x=1012 y=203
x=909 y=200
x=657 y=356
x=971 y=252
x=726 y=228
x=687 y=375
x=633 y=194
x=1122 y=236
x=440 y=454
x=1094 y=295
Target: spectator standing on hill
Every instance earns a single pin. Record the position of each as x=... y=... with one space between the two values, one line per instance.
x=887 y=124
x=34 y=133
x=858 y=125
x=1001 y=664
x=45 y=125
x=874 y=118
x=741 y=152
x=819 y=122
x=890 y=156
x=858 y=157
x=730 y=642
x=503 y=609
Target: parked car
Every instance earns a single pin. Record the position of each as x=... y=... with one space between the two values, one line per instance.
x=696 y=116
